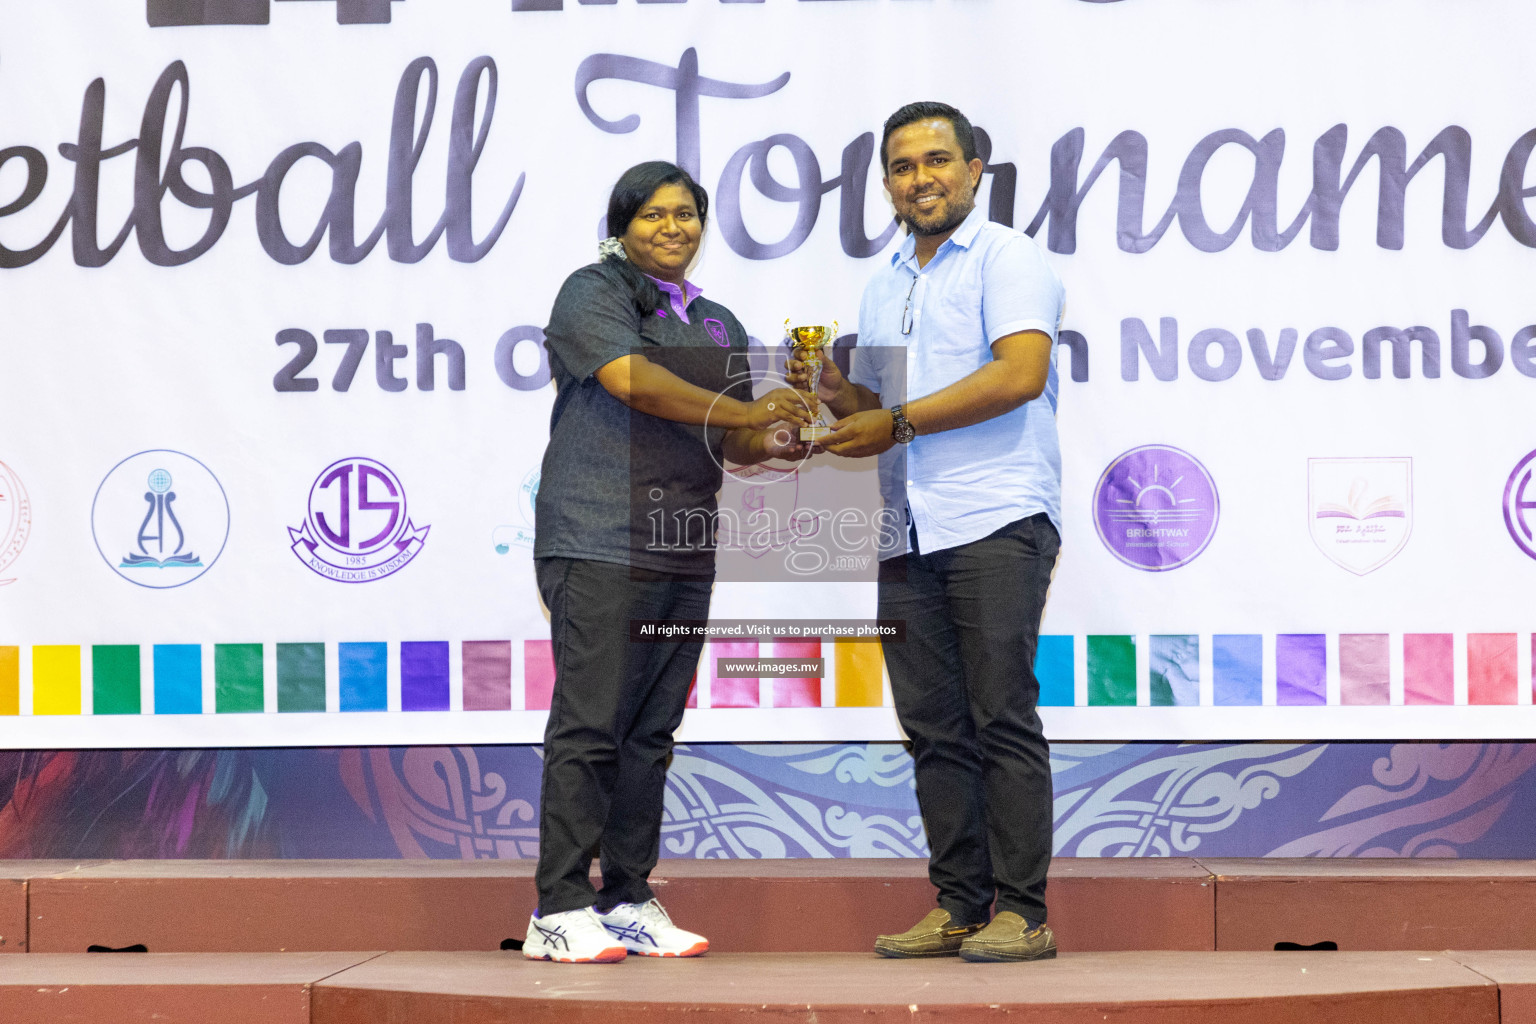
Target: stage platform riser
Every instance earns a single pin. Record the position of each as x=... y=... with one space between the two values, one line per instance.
x=794 y=906
x=1376 y=914
x=838 y=988
x=13 y=915
x=764 y=906
x=158 y=1004
x=167 y=988
x=1386 y=1008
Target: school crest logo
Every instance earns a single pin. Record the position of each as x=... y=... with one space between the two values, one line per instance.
x=1156 y=508
x=1360 y=510
x=1520 y=505
x=160 y=519
x=357 y=527
x=519 y=535
x=15 y=519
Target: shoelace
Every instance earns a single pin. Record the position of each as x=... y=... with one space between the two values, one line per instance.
x=587 y=924
x=652 y=913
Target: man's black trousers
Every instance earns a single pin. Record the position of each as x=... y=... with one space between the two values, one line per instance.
x=615 y=706
x=965 y=691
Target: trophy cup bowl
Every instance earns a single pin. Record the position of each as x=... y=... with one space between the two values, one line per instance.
x=805 y=344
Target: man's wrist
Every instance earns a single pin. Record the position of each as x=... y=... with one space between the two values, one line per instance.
x=901 y=430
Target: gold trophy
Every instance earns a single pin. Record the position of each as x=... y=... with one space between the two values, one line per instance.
x=805 y=345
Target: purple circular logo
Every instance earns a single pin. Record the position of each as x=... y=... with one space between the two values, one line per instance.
x=1520 y=504
x=357 y=527
x=1156 y=508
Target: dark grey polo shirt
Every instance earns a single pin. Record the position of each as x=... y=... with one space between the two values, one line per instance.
x=624 y=486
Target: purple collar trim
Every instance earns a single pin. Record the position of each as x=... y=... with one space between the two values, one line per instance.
x=678 y=298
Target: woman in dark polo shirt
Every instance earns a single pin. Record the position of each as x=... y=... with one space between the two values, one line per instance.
x=653 y=397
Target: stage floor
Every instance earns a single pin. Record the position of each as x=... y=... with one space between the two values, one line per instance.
x=833 y=988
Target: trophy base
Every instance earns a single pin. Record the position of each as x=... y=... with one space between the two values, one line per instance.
x=814 y=433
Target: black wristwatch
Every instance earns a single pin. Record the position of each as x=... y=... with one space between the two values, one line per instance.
x=901 y=430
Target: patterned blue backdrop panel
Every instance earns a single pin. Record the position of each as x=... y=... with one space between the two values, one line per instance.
x=771 y=800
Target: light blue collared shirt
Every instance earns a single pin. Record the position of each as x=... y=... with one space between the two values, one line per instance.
x=985 y=282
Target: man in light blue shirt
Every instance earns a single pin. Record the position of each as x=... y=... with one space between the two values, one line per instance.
x=963 y=320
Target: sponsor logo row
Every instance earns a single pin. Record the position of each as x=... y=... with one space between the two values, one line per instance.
x=161 y=518
x=1156 y=508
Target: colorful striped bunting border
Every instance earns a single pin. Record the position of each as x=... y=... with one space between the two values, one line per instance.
x=1093 y=670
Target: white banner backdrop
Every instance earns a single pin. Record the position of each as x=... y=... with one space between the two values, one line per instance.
x=272 y=403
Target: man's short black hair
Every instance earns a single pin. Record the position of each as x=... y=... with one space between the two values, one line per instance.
x=927 y=110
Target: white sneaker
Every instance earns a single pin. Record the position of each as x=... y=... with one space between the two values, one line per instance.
x=645 y=928
x=571 y=937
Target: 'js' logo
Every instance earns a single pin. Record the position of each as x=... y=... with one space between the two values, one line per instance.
x=165 y=13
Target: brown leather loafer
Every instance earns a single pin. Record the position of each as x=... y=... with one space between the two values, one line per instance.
x=1009 y=939
x=932 y=936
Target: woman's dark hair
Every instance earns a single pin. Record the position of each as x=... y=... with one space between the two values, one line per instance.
x=631 y=192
